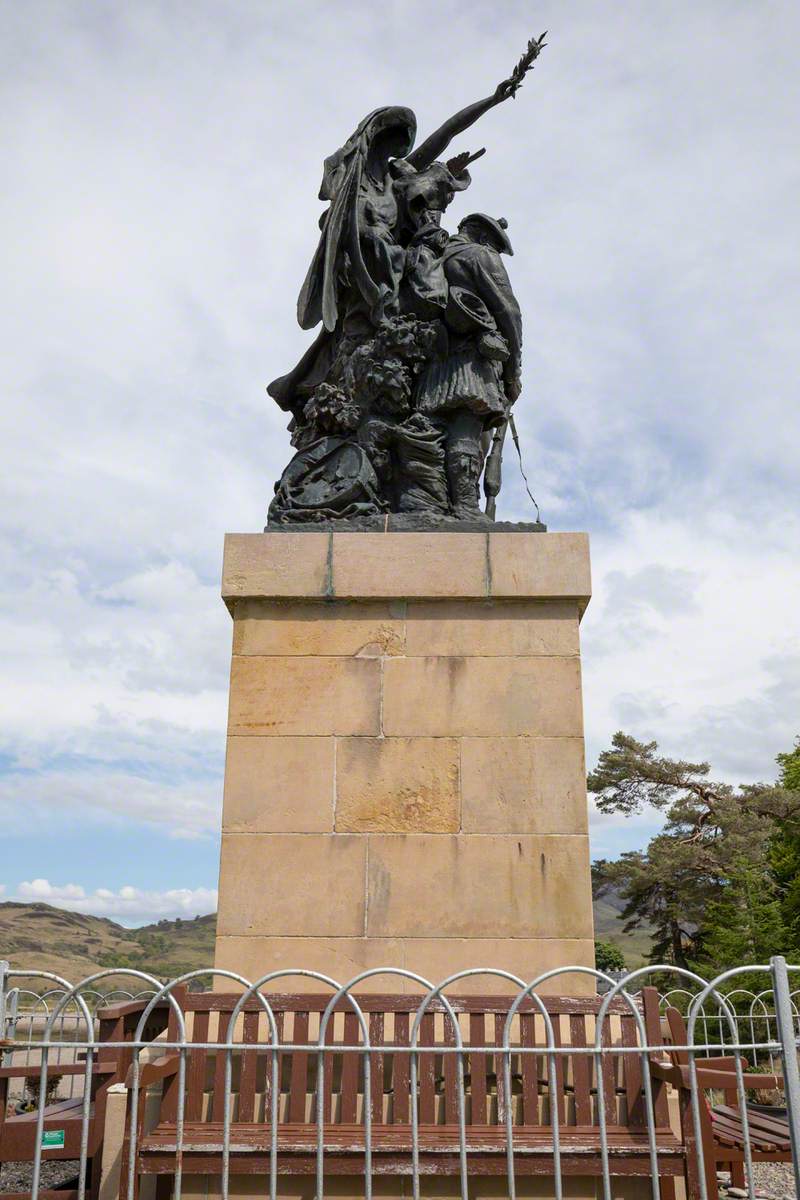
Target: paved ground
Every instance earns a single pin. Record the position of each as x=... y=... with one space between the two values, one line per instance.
x=16 y=1177
x=774 y=1181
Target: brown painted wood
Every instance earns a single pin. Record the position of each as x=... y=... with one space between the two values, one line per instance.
x=298 y=1079
x=401 y=1069
x=451 y=1084
x=350 y=1070
x=327 y=1076
x=530 y=1072
x=375 y=1024
x=247 y=1078
x=392 y=1002
x=204 y=1136
x=558 y=1098
x=632 y=1073
x=477 y=1068
x=196 y=1070
x=426 y=1072
x=581 y=1072
x=499 y=1062
x=607 y=1070
x=344 y=1134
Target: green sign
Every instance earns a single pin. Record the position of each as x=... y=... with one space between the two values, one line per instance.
x=53 y=1139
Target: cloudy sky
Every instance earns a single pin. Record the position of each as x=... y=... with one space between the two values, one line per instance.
x=161 y=163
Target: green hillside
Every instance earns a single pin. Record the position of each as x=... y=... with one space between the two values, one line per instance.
x=608 y=927
x=73 y=945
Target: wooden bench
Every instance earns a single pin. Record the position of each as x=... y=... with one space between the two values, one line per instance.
x=721 y=1125
x=390 y=1019
x=116 y=1023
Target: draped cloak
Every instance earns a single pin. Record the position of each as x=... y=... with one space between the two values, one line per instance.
x=339 y=243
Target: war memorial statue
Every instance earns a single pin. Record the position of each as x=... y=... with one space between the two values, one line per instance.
x=402 y=401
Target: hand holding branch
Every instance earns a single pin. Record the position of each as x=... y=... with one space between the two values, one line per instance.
x=510 y=86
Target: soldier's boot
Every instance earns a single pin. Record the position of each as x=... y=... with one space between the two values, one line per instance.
x=463 y=473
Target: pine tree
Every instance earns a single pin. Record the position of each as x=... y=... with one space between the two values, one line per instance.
x=785 y=850
x=720 y=884
x=745 y=923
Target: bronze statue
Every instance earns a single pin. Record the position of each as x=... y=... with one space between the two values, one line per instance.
x=418 y=359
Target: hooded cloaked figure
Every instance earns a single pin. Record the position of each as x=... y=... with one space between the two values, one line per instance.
x=357 y=182
x=357 y=244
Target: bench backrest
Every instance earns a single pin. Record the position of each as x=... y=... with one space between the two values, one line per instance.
x=390 y=1018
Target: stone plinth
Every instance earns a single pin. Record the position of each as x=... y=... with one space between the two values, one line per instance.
x=405 y=773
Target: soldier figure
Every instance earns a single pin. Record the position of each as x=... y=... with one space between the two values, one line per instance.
x=470 y=391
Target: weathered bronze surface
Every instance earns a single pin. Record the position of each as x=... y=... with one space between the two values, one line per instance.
x=402 y=400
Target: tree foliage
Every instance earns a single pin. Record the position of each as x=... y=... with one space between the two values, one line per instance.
x=720 y=884
x=608 y=957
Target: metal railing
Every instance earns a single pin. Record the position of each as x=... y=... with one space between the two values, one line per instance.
x=544 y=1089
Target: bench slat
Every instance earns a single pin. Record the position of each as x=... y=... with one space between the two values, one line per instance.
x=530 y=1072
x=196 y=1070
x=247 y=1079
x=219 y=1056
x=401 y=1070
x=427 y=1072
x=350 y=1070
x=632 y=1074
x=477 y=1068
x=375 y=1024
x=451 y=1085
x=499 y=1064
x=581 y=1072
x=298 y=1083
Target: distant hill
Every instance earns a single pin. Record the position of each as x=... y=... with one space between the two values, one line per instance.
x=608 y=927
x=73 y=945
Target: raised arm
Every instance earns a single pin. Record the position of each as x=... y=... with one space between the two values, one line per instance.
x=437 y=143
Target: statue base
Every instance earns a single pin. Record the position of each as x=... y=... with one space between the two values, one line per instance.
x=409 y=523
x=405 y=780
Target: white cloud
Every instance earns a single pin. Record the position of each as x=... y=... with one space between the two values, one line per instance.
x=128 y=905
x=57 y=798
x=714 y=675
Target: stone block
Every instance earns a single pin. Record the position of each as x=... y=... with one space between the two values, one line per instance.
x=452 y=697
x=397 y=785
x=409 y=564
x=367 y=629
x=478 y=886
x=340 y=958
x=279 y=785
x=548 y=565
x=437 y=958
x=523 y=785
x=275 y=564
x=484 y=627
x=298 y=884
x=294 y=695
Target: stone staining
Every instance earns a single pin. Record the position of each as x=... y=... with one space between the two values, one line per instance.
x=402 y=400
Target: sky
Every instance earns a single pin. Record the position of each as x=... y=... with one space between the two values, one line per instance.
x=161 y=167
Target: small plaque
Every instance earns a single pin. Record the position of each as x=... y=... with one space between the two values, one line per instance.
x=53 y=1139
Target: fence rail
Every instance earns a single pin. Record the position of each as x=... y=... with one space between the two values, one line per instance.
x=481 y=1074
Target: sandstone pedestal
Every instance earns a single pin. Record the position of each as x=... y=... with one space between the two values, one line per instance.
x=405 y=773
